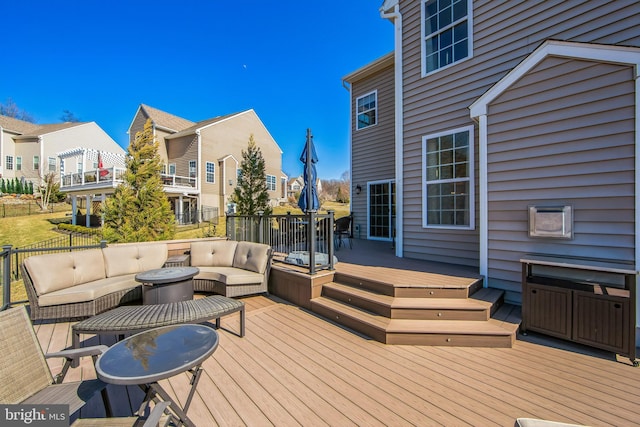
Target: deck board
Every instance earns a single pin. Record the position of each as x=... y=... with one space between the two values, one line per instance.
x=296 y=368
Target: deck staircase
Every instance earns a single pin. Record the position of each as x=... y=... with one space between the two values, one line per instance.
x=421 y=314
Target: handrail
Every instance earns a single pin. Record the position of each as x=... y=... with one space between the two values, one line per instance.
x=307 y=235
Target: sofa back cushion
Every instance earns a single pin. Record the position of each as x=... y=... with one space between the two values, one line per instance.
x=252 y=256
x=134 y=258
x=213 y=253
x=52 y=272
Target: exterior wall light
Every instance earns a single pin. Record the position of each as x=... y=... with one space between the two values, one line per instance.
x=358 y=189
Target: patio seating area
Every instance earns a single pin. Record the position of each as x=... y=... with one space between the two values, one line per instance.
x=295 y=368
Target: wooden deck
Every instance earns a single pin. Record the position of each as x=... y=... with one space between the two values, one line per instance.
x=294 y=368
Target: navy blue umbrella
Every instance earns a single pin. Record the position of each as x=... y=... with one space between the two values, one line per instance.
x=309 y=196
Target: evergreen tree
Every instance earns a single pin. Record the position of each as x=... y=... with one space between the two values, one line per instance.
x=251 y=195
x=139 y=210
x=30 y=190
x=3 y=186
x=19 y=188
x=10 y=188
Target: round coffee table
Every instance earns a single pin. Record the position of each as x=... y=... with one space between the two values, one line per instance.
x=156 y=354
x=165 y=285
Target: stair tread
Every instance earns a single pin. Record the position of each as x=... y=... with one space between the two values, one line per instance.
x=473 y=303
x=446 y=282
x=470 y=327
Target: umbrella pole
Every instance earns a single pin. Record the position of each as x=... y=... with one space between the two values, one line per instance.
x=310 y=212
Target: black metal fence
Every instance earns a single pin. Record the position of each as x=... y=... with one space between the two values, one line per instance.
x=206 y=214
x=30 y=208
x=303 y=239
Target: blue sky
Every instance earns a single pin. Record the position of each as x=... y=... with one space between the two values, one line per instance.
x=197 y=60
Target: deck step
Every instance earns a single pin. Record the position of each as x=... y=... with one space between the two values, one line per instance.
x=478 y=307
x=392 y=287
x=462 y=333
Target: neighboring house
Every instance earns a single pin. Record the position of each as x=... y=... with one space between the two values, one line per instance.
x=206 y=156
x=296 y=185
x=30 y=151
x=486 y=109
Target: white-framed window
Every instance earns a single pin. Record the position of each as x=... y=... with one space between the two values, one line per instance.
x=52 y=164
x=8 y=163
x=80 y=166
x=210 y=169
x=367 y=110
x=172 y=168
x=447 y=31
x=36 y=163
x=18 y=163
x=271 y=182
x=192 y=169
x=448 y=187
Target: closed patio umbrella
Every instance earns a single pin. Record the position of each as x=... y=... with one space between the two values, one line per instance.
x=309 y=196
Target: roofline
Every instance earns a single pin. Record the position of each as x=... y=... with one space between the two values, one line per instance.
x=371 y=68
x=39 y=135
x=586 y=51
x=231 y=116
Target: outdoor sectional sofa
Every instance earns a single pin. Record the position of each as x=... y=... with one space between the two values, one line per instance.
x=231 y=268
x=86 y=283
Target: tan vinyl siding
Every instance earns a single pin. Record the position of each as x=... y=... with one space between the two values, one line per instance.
x=504 y=34
x=373 y=148
x=180 y=151
x=230 y=137
x=562 y=135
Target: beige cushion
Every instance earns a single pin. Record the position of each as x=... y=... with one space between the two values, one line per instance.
x=134 y=258
x=52 y=272
x=229 y=275
x=213 y=253
x=88 y=291
x=251 y=256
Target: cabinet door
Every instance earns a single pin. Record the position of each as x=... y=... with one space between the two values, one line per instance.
x=549 y=310
x=601 y=321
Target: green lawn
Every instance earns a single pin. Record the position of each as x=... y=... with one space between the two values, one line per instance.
x=24 y=230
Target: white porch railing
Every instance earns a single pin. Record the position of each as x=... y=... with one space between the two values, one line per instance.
x=113 y=176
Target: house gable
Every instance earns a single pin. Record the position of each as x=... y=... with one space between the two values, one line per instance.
x=481 y=111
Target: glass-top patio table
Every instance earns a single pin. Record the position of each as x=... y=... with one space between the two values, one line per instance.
x=156 y=354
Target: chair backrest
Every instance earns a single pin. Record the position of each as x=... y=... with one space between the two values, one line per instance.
x=343 y=224
x=23 y=368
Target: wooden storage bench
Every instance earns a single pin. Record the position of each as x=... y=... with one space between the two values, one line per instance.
x=591 y=302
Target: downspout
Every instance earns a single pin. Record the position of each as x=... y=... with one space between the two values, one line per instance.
x=1 y=149
x=199 y=173
x=636 y=77
x=396 y=18
x=348 y=87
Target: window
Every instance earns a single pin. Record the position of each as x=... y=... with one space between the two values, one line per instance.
x=192 y=169
x=271 y=182
x=447 y=34
x=367 y=111
x=36 y=163
x=9 y=163
x=80 y=166
x=172 y=168
x=18 y=163
x=210 y=169
x=448 y=186
x=52 y=164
